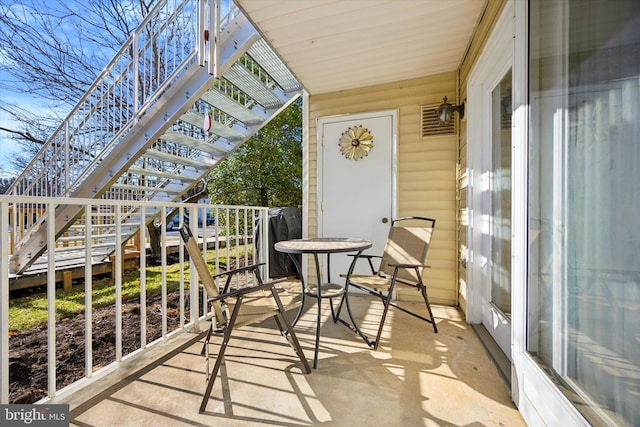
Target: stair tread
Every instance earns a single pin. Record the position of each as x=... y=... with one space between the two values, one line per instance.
x=194 y=143
x=134 y=187
x=223 y=102
x=161 y=174
x=248 y=83
x=170 y=158
x=266 y=57
x=196 y=119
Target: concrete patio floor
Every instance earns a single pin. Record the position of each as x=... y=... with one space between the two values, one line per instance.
x=416 y=378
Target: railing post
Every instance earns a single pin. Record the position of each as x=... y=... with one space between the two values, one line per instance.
x=143 y=277
x=88 y=297
x=205 y=308
x=194 y=301
x=214 y=32
x=51 y=299
x=67 y=166
x=201 y=27
x=118 y=281
x=163 y=266
x=264 y=241
x=181 y=280
x=136 y=77
x=4 y=304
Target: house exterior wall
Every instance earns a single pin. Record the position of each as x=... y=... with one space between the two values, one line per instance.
x=432 y=173
x=426 y=181
x=485 y=26
x=424 y=187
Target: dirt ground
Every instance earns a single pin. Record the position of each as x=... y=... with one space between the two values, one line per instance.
x=28 y=349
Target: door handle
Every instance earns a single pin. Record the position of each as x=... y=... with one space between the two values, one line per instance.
x=385 y=220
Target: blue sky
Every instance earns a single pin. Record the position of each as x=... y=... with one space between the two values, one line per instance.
x=8 y=147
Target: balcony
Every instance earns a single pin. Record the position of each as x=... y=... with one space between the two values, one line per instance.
x=416 y=378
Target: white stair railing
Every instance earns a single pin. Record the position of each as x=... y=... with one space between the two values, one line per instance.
x=128 y=86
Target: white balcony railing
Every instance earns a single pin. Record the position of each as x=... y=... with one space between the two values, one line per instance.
x=228 y=237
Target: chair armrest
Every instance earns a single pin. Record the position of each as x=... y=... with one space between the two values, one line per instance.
x=244 y=291
x=230 y=274
x=367 y=256
x=238 y=270
x=369 y=259
x=408 y=265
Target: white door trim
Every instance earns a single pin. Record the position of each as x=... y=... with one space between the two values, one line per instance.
x=493 y=63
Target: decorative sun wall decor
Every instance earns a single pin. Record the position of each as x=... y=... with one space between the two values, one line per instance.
x=356 y=142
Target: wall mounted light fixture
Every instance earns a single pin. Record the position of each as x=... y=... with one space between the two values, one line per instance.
x=445 y=112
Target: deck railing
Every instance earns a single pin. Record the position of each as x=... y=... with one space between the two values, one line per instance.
x=236 y=235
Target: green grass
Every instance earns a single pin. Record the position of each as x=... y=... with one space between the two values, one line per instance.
x=30 y=311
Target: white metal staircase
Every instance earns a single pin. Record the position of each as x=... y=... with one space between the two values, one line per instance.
x=141 y=132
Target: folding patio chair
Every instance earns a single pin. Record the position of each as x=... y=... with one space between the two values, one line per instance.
x=401 y=263
x=238 y=307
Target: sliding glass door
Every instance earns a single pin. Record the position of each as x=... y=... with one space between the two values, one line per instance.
x=584 y=197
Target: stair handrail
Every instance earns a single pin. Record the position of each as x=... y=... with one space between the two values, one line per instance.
x=63 y=132
x=122 y=79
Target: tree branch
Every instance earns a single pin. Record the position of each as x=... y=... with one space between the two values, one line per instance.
x=24 y=135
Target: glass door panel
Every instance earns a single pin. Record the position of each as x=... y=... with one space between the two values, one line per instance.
x=500 y=190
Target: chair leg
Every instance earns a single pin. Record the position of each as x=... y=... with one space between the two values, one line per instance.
x=291 y=337
x=216 y=368
x=387 y=302
x=288 y=331
x=318 y=321
x=295 y=320
x=334 y=315
x=353 y=325
x=220 y=356
x=207 y=338
x=423 y=290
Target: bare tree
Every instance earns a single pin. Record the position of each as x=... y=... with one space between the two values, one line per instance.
x=51 y=51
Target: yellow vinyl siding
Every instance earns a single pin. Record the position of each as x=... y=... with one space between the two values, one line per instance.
x=432 y=176
x=426 y=182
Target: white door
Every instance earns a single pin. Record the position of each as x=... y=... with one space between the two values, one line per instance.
x=356 y=195
x=489 y=161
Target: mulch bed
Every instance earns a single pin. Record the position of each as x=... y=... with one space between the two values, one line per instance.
x=28 y=349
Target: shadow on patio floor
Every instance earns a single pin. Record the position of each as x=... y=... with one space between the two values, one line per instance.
x=416 y=378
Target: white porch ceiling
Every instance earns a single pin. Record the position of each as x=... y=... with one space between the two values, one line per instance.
x=333 y=45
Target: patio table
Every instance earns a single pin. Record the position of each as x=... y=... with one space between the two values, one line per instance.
x=321 y=289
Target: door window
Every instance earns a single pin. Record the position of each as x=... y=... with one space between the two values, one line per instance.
x=501 y=196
